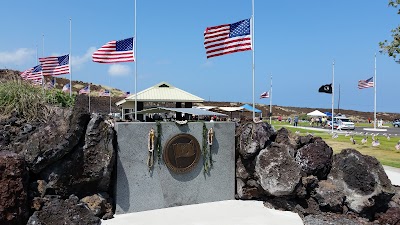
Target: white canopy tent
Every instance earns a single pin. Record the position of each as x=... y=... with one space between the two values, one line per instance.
x=316 y=113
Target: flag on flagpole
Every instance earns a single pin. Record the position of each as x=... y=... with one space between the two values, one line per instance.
x=55 y=65
x=37 y=81
x=327 y=88
x=227 y=38
x=264 y=95
x=34 y=73
x=51 y=84
x=366 y=83
x=85 y=90
x=66 y=88
x=115 y=51
x=26 y=73
x=105 y=93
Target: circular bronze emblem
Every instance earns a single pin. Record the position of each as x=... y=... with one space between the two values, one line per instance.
x=182 y=153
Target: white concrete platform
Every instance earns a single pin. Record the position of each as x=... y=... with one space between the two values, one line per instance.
x=230 y=212
x=393 y=174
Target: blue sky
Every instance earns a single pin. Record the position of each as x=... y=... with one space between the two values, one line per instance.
x=295 y=41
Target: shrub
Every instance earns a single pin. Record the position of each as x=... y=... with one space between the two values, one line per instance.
x=29 y=101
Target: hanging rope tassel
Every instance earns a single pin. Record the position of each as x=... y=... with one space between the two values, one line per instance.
x=150 y=159
x=210 y=136
x=210 y=139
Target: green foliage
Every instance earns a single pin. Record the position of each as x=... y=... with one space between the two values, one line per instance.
x=207 y=160
x=392 y=48
x=60 y=98
x=30 y=102
x=158 y=141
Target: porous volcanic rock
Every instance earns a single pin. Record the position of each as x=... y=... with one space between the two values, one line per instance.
x=391 y=216
x=58 y=211
x=14 y=132
x=241 y=171
x=99 y=204
x=277 y=172
x=284 y=136
x=329 y=196
x=363 y=181
x=335 y=219
x=13 y=189
x=58 y=137
x=88 y=168
x=315 y=159
x=253 y=137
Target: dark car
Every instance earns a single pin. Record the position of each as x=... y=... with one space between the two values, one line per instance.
x=396 y=123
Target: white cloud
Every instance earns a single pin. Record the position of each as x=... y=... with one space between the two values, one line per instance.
x=20 y=56
x=119 y=70
x=78 y=61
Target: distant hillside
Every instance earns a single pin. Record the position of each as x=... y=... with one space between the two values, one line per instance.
x=102 y=104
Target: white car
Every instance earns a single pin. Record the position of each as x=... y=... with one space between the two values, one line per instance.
x=343 y=123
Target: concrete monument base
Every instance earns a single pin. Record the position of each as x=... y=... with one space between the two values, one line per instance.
x=139 y=188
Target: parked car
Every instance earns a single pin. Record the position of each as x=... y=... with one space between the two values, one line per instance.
x=341 y=123
x=396 y=123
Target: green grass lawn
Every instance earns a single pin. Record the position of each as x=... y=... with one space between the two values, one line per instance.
x=385 y=152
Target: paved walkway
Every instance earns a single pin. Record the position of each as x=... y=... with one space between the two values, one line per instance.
x=232 y=212
x=393 y=174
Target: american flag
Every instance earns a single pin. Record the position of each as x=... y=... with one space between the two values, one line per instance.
x=66 y=88
x=227 y=38
x=265 y=95
x=36 y=73
x=55 y=65
x=115 y=51
x=85 y=90
x=37 y=81
x=26 y=73
x=33 y=73
x=366 y=83
x=105 y=93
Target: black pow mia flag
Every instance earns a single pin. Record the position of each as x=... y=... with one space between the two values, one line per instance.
x=327 y=88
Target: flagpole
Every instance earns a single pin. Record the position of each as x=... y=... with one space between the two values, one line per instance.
x=333 y=90
x=135 y=57
x=252 y=46
x=37 y=55
x=375 y=93
x=338 y=104
x=109 y=81
x=89 y=97
x=270 y=104
x=38 y=63
x=69 y=58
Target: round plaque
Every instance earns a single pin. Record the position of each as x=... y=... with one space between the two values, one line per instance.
x=182 y=153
